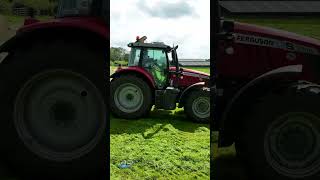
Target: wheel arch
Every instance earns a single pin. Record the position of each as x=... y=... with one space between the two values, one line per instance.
x=46 y=34
x=125 y=72
x=186 y=91
x=274 y=80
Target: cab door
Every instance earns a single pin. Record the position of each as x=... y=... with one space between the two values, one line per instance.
x=155 y=62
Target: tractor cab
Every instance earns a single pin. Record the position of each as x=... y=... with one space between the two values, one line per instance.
x=156 y=58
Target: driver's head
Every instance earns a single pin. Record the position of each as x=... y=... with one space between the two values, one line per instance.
x=145 y=54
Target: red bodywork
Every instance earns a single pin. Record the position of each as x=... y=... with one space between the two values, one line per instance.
x=134 y=69
x=86 y=23
x=250 y=61
x=188 y=78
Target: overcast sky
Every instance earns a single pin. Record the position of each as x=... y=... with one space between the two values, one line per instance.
x=179 y=22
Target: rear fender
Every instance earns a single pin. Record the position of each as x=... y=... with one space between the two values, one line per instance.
x=184 y=94
x=26 y=38
x=245 y=97
x=7 y=47
x=137 y=72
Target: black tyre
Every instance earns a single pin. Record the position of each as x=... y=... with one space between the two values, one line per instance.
x=130 y=97
x=53 y=113
x=281 y=138
x=197 y=106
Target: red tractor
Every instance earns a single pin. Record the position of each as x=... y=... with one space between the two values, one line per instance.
x=266 y=98
x=52 y=94
x=153 y=77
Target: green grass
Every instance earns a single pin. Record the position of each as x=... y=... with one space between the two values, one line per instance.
x=305 y=26
x=202 y=69
x=162 y=146
x=15 y=22
x=18 y=20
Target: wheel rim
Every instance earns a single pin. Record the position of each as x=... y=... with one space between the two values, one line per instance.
x=128 y=98
x=201 y=107
x=59 y=115
x=292 y=145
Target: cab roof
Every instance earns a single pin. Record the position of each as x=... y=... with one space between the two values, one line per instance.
x=158 y=45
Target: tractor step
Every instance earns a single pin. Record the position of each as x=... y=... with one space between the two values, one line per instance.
x=166 y=99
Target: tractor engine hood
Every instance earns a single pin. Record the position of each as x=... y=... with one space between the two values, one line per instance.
x=270 y=37
x=193 y=73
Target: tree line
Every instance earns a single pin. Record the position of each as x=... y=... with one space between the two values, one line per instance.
x=119 y=55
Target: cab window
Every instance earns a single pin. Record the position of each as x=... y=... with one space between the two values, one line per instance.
x=155 y=61
x=134 y=57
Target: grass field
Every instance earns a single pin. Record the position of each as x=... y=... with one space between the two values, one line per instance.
x=225 y=164
x=202 y=69
x=309 y=26
x=163 y=146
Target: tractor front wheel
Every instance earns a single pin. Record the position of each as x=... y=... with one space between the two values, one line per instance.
x=281 y=137
x=197 y=106
x=130 y=96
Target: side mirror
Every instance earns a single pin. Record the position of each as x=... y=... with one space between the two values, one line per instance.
x=181 y=69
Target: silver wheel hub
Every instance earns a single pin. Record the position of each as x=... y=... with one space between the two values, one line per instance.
x=128 y=98
x=292 y=145
x=201 y=107
x=59 y=115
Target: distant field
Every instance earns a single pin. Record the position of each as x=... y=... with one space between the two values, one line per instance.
x=18 y=20
x=14 y=23
x=202 y=69
x=309 y=26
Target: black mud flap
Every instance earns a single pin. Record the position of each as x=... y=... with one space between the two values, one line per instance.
x=166 y=99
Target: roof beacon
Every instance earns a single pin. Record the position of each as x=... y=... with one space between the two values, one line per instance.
x=141 y=40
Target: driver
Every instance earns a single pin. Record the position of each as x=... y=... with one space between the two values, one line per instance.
x=147 y=62
x=154 y=66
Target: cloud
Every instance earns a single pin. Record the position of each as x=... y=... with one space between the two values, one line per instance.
x=191 y=33
x=167 y=9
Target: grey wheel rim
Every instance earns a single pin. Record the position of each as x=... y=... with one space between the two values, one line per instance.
x=59 y=115
x=128 y=98
x=292 y=144
x=201 y=107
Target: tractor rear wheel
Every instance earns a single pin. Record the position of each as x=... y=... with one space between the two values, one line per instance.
x=130 y=96
x=197 y=106
x=281 y=137
x=53 y=113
